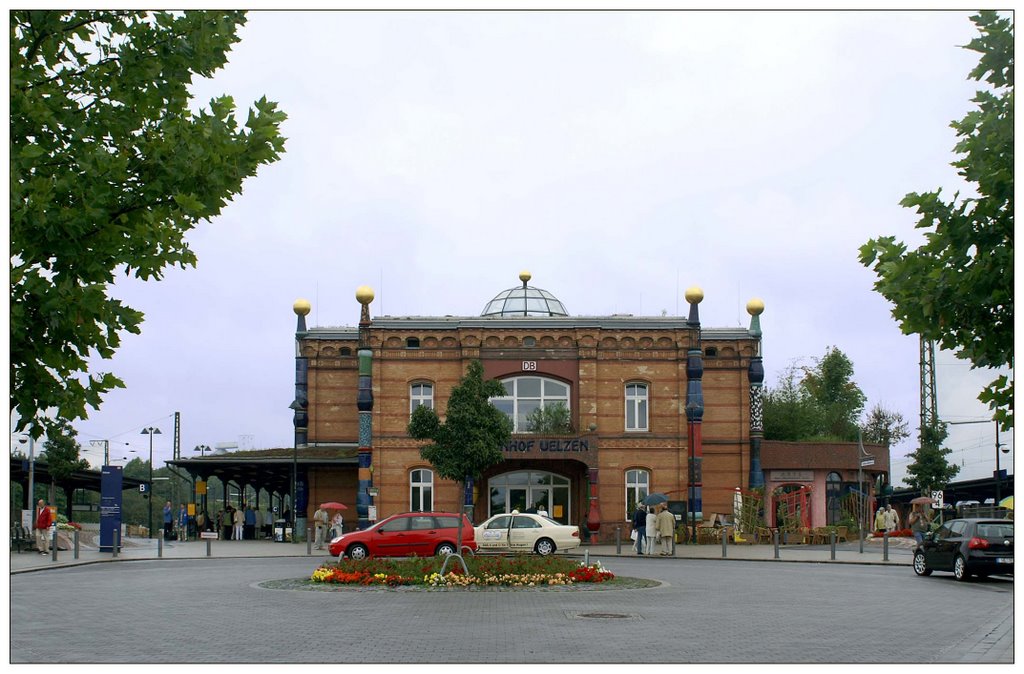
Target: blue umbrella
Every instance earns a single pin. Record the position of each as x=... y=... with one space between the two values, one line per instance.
x=655 y=499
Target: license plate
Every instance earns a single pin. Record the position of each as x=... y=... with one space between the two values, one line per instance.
x=1004 y=560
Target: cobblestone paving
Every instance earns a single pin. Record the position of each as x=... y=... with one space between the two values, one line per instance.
x=212 y=611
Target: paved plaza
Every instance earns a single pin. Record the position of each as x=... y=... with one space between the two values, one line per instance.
x=185 y=607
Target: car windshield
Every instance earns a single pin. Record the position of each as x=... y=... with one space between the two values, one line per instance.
x=995 y=530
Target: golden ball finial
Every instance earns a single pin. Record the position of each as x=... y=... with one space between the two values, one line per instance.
x=364 y=294
x=525 y=276
x=301 y=307
x=755 y=306
x=694 y=295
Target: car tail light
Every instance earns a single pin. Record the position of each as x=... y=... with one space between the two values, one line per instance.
x=977 y=543
x=576 y=534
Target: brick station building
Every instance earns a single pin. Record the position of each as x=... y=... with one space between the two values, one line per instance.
x=645 y=394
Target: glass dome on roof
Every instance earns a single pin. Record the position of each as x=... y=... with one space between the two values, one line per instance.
x=524 y=300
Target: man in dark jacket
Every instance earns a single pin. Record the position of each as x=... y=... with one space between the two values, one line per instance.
x=640 y=527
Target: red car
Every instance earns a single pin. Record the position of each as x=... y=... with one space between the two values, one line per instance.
x=422 y=534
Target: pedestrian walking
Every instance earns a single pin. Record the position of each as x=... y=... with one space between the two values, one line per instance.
x=640 y=528
x=892 y=520
x=919 y=522
x=880 y=520
x=41 y=526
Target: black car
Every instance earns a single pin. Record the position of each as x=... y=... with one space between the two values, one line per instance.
x=967 y=547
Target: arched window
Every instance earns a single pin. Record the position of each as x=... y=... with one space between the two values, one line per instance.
x=421 y=490
x=833 y=492
x=527 y=394
x=638 y=486
x=636 y=407
x=421 y=393
x=412 y=343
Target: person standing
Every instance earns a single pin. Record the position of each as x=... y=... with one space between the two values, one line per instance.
x=640 y=527
x=226 y=522
x=320 y=522
x=182 y=523
x=238 y=517
x=250 y=523
x=41 y=526
x=337 y=525
x=666 y=526
x=651 y=530
x=168 y=521
x=259 y=525
x=880 y=520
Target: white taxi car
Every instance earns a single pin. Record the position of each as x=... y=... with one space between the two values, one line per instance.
x=525 y=532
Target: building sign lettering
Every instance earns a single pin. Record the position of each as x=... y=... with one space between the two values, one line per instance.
x=529 y=365
x=548 y=445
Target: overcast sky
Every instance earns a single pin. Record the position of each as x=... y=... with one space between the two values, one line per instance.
x=619 y=157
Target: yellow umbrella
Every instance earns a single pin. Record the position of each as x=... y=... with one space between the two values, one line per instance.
x=1007 y=503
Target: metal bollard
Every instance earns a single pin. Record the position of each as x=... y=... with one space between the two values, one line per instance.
x=76 y=543
x=885 y=546
x=208 y=542
x=586 y=558
x=309 y=541
x=159 y=546
x=53 y=548
x=618 y=540
x=117 y=541
x=725 y=541
x=832 y=543
x=775 y=539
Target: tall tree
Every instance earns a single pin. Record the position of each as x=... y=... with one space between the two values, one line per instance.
x=110 y=168
x=470 y=439
x=884 y=427
x=957 y=288
x=789 y=411
x=930 y=468
x=830 y=383
x=61 y=452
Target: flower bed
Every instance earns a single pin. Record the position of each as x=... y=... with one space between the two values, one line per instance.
x=483 y=571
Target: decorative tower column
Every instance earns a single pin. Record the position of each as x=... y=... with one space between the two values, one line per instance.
x=300 y=419
x=364 y=403
x=755 y=375
x=694 y=406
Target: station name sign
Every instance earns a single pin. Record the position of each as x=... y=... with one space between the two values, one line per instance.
x=547 y=445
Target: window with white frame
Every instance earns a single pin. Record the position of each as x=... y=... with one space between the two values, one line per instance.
x=636 y=407
x=638 y=486
x=421 y=393
x=421 y=490
x=526 y=394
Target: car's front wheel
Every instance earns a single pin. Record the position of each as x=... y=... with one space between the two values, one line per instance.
x=444 y=550
x=544 y=547
x=358 y=551
x=920 y=566
x=960 y=568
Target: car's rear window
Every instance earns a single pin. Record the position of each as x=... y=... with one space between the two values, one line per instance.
x=995 y=530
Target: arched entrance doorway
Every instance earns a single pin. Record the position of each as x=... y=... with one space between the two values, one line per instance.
x=524 y=490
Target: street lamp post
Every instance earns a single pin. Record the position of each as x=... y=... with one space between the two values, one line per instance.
x=31 y=469
x=151 y=431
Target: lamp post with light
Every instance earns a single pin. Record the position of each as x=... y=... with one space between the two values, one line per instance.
x=151 y=431
x=26 y=437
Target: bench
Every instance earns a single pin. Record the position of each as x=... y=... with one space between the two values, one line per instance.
x=21 y=538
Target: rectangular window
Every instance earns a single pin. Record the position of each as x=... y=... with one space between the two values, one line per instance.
x=636 y=407
x=421 y=394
